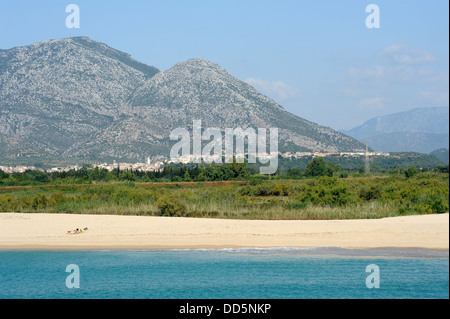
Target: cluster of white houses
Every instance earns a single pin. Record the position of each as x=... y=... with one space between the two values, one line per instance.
x=146 y=167
x=323 y=154
x=18 y=169
x=157 y=166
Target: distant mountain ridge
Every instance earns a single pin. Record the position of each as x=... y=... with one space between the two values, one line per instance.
x=442 y=154
x=419 y=130
x=425 y=120
x=409 y=142
x=78 y=98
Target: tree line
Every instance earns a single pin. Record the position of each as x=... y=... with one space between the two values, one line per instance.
x=316 y=167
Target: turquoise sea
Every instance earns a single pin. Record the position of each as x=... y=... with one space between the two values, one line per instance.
x=277 y=273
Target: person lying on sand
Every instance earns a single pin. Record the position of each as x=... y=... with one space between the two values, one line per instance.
x=77 y=231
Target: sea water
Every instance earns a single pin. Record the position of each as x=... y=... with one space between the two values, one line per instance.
x=279 y=273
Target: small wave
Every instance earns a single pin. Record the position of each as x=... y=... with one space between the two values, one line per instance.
x=323 y=251
x=334 y=251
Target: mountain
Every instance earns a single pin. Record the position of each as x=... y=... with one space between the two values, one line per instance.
x=425 y=120
x=58 y=92
x=408 y=142
x=419 y=130
x=442 y=154
x=78 y=98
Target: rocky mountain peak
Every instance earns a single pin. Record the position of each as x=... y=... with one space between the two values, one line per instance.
x=77 y=97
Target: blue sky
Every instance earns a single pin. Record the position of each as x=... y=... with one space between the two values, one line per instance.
x=315 y=58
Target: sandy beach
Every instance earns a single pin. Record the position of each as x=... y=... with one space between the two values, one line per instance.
x=20 y=231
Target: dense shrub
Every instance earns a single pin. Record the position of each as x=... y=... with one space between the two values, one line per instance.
x=372 y=192
x=171 y=206
x=42 y=201
x=266 y=189
x=8 y=203
x=438 y=204
x=411 y=172
x=327 y=191
x=316 y=167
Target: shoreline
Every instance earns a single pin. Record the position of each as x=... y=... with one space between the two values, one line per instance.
x=42 y=231
x=199 y=247
x=331 y=251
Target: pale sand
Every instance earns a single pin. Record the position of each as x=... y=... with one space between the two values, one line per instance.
x=49 y=231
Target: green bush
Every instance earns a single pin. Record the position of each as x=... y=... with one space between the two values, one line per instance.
x=343 y=174
x=58 y=197
x=411 y=172
x=42 y=201
x=403 y=210
x=437 y=204
x=341 y=196
x=316 y=167
x=370 y=193
x=280 y=190
x=8 y=203
x=327 y=191
x=255 y=180
x=170 y=206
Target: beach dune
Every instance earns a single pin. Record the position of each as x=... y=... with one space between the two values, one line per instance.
x=50 y=231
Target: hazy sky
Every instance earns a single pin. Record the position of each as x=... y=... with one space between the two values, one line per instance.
x=315 y=58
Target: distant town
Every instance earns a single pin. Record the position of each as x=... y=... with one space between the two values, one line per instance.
x=159 y=165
